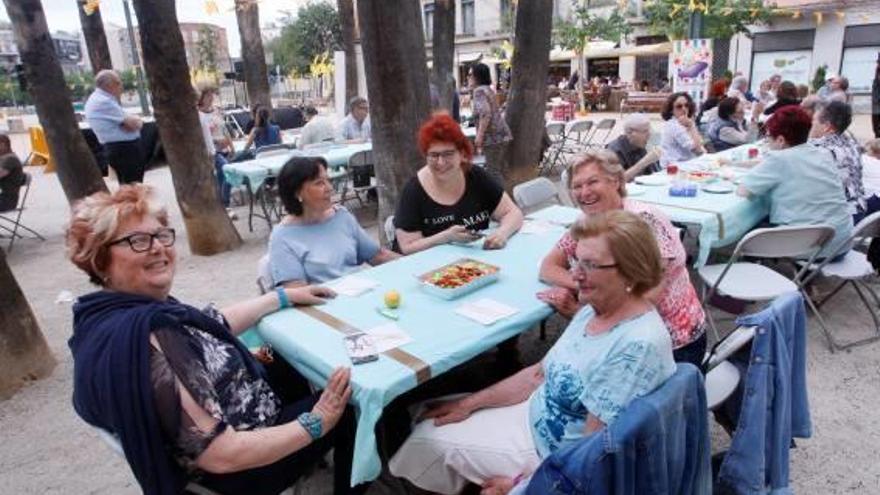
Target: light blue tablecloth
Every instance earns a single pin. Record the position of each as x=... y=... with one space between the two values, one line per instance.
x=256 y=170
x=441 y=338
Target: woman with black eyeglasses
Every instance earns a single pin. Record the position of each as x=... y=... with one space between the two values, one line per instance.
x=681 y=140
x=187 y=401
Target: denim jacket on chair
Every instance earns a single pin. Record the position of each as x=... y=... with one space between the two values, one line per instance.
x=770 y=404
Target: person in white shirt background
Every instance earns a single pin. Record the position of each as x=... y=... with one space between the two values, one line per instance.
x=318 y=129
x=871 y=175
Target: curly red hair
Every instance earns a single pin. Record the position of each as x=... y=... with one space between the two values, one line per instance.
x=442 y=128
x=791 y=122
x=719 y=88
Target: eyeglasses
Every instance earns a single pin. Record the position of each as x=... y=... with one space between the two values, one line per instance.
x=141 y=242
x=576 y=266
x=445 y=155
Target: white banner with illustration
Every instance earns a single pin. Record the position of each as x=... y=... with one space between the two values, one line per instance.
x=690 y=66
x=792 y=65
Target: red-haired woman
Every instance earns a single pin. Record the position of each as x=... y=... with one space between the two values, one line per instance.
x=799 y=179
x=449 y=200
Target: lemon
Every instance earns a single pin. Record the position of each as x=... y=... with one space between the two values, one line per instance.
x=392 y=299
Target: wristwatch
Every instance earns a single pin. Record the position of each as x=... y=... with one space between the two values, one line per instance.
x=312 y=424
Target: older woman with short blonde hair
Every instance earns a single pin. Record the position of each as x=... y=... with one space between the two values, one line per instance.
x=615 y=349
x=597 y=185
x=185 y=398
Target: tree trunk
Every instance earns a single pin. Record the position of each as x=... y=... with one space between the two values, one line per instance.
x=209 y=229
x=96 y=39
x=443 y=48
x=256 y=75
x=346 y=21
x=397 y=87
x=23 y=349
x=77 y=170
x=528 y=89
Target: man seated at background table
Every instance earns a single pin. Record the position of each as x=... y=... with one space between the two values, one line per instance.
x=11 y=175
x=799 y=179
x=317 y=129
x=631 y=147
x=355 y=127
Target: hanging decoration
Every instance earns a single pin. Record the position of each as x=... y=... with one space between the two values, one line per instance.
x=819 y=17
x=211 y=7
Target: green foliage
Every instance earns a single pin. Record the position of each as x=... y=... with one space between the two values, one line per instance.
x=81 y=85
x=724 y=18
x=315 y=30
x=584 y=26
x=129 y=79
x=819 y=78
x=207 y=47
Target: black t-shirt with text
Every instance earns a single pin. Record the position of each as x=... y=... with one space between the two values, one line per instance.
x=417 y=212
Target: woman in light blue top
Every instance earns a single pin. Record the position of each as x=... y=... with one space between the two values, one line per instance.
x=614 y=350
x=800 y=180
x=316 y=241
x=680 y=140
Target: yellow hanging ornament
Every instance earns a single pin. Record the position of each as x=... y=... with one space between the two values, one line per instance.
x=211 y=7
x=819 y=17
x=675 y=8
x=90 y=6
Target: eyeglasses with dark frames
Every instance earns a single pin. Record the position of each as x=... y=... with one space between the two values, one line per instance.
x=141 y=242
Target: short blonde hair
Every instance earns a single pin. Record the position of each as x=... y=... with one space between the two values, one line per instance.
x=631 y=242
x=95 y=222
x=607 y=162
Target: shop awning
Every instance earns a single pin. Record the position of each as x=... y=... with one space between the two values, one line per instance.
x=468 y=57
x=605 y=52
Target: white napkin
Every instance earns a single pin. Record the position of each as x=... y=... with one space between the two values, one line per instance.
x=535 y=227
x=486 y=311
x=388 y=336
x=353 y=286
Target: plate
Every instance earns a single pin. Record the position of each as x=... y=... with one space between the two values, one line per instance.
x=652 y=180
x=718 y=188
x=634 y=190
x=458 y=278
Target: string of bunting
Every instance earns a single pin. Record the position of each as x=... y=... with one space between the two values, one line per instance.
x=91 y=6
x=706 y=8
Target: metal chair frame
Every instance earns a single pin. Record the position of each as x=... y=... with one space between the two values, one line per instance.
x=14 y=217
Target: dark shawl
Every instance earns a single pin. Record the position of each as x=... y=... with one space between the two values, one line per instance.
x=112 y=388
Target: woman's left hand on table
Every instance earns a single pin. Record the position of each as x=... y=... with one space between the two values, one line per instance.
x=495 y=240
x=310 y=294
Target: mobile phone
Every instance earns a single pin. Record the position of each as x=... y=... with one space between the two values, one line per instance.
x=477 y=232
x=360 y=348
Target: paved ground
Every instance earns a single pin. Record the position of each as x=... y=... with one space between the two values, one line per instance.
x=45 y=448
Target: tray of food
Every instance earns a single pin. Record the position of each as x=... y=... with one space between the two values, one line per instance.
x=702 y=176
x=458 y=278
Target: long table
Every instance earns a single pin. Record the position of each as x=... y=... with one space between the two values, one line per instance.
x=311 y=339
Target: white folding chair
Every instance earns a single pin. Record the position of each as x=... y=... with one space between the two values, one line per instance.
x=390 y=231
x=606 y=125
x=852 y=269
x=749 y=281
x=577 y=135
x=552 y=155
x=264 y=275
x=722 y=376
x=361 y=176
x=13 y=216
x=536 y=192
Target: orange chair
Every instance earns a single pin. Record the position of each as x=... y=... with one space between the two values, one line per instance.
x=40 y=149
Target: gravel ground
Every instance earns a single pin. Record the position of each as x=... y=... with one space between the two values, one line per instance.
x=45 y=448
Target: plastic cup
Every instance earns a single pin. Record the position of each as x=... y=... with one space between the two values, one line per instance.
x=753 y=153
x=672 y=169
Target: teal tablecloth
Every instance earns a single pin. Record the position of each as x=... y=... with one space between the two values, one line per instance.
x=256 y=170
x=441 y=338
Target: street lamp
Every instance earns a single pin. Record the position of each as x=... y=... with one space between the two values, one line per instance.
x=141 y=85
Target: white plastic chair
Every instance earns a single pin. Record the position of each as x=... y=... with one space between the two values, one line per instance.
x=753 y=282
x=606 y=125
x=853 y=269
x=360 y=165
x=577 y=135
x=552 y=155
x=534 y=193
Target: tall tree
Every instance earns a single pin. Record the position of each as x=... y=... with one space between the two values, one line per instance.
x=93 y=32
x=256 y=75
x=23 y=349
x=528 y=89
x=347 y=26
x=77 y=170
x=397 y=87
x=443 y=50
x=208 y=228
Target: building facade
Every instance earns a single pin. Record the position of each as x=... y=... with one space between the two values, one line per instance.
x=203 y=42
